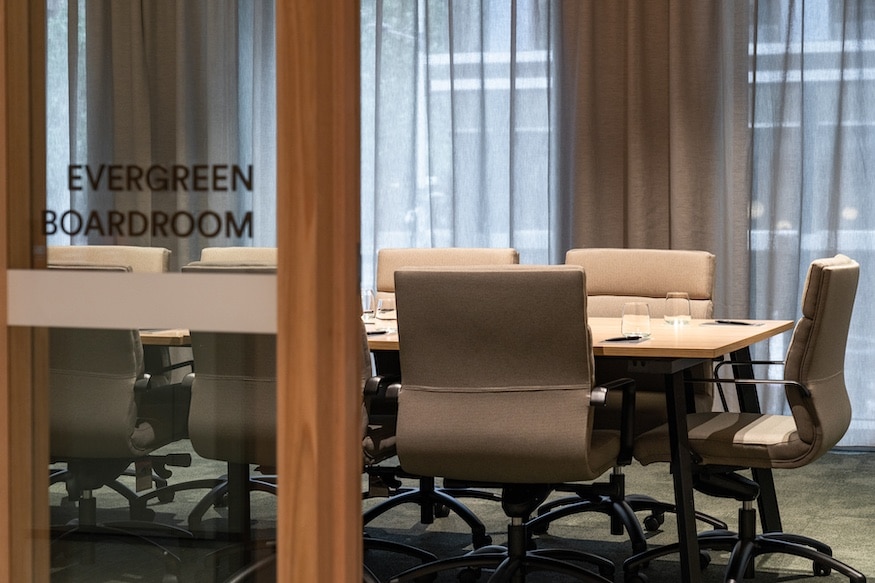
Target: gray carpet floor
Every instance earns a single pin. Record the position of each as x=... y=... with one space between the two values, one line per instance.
x=832 y=500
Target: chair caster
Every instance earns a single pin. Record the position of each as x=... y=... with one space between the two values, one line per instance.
x=166 y=496
x=821 y=570
x=654 y=521
x=481 y=540
x=539 y=529
x=704 y=560
x=441 y=510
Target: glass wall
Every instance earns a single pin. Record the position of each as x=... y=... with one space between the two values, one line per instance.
x=159 y=295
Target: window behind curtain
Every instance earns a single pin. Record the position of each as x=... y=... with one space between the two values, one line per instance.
x=813 y=81
x=458 y=114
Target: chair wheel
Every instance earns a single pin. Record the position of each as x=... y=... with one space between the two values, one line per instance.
x=481 y=541
x=166 y=496
x=469 y=575
x=441 y=510
x=654 y=521
x=704 y=560
x=539 y=528
x=821 y=570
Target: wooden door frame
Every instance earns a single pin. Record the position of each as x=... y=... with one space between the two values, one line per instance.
x=319 y=394
x=319 y=522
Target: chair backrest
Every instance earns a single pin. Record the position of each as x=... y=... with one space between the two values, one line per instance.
x=137 y=259
x=233 y=397
x=496 y=366
x=390 y=260
x=93 y=404
x=240 y=255
x=617 y=276
x=816 y=354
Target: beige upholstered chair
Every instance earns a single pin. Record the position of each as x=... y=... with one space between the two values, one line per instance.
x=105 y=415
x=820 y=412
x=498 y=388
x=617 y=276
x=383 y=481
x=159 y=361
x=233 y=393
x=614 y=277
x=390 y=260
x=233 y=410
x=240 y=255
x=94 y=370
x=137 y=259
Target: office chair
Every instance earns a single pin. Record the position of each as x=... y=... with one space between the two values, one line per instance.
x=433 y=501
x=724 y=442
x=158 y=363
x=498 y=388
x=379 y=410
x=614 y=277
x=105 y=415
x=232 y=417
x=389 y=260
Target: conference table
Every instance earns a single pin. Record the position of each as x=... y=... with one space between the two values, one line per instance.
x=670 y=351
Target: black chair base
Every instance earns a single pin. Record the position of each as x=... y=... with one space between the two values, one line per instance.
x=513 y=562
x=508 y=564
x=745 y=547
x=610 y=499
x=436 y=502
x=86 y=533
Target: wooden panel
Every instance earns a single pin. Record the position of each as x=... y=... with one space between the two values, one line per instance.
x=24 y=513
x=319 y=395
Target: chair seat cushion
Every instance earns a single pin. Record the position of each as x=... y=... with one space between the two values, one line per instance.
x=732 y=439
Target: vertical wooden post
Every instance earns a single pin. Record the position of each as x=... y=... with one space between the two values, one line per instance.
x=23 y=405
x=318 y=393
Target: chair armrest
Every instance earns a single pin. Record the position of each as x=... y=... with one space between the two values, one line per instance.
x=802 y=388
x=382 y=387
x=627 y=413
x=723 y=363
x=143 y=383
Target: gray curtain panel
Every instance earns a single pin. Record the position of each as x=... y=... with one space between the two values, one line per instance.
x=459 y=119
x=813 y=165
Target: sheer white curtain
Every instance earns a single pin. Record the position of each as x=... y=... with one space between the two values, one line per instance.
x=459 y=126
x=813 y=168
x=162 y=83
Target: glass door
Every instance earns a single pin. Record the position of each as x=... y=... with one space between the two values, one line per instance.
x=153 y=256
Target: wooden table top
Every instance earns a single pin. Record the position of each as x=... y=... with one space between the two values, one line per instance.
x=699 y=339
x=170 y=337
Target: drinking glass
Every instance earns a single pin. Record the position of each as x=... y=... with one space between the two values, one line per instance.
x=636 y=320
x=385 y=309
x=367 y=305
x=677 y=308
